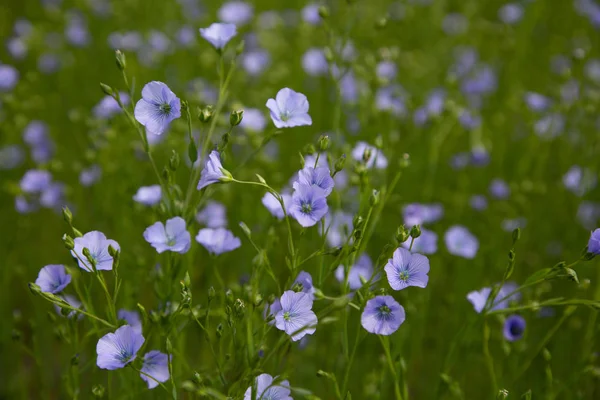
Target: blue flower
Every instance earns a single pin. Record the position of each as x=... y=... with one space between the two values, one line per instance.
x=89 y=176
x=108 y=106
x=461 y=242
x=253 y=120
x=35 y=181
x=9 y=77
x=53 y=278
x=510 y=13
x=218 y=241
x=359 y=272
x=11 y=157
x=406 y=269
x=148 y=195
x=235 y=12
x=479 y=298
x=289 y=109
x=314 y=62
x=579 y=180
x=514 y=327
x=73 y=302
x=382 y=315
x=132 y=318
x=319 y=177
x=156 y=364
x=296 y=317
x=213 y=215
x=594 y=242
x=116 y=350
x=97 y=243
x=339 y=227
x=157 y=107
x=308 y=205
x=376 y=159
x=274 y=206
x=478 y=202
x=419 y=214
x=172 y=236
x=425 y=244
x=218 y=34
x=536 y=101
x=499 y=189
x=213 y=171
x=305 y=280
x=266 y=389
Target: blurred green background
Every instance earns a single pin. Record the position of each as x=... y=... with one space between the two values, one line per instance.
x=417 y=37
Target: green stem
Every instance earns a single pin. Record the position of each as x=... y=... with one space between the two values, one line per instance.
x=488 y=357
x=386 y=348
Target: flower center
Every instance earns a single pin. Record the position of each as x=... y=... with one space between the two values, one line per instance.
x=516 y=330
x=286 y=316
x=165 y=108
x=170 y=241
x=384 y=310
x=124 y=355
x=403 y=275
x=306 y=208
x=285 y=115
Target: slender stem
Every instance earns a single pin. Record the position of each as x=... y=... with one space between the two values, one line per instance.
x=488 y=357
x=388 y=356
x=351 y=361
x=212 y=349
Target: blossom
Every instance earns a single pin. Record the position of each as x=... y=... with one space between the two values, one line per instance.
x=418 y=214
x=376 y=158
x=97 y=243
x=315 y=177
x=426 y=243
x=296 y=317
x=478 y=202
x=73 y=302
x=272 y=310
x=90 y=175
x=406 y=269
x=11 y=156
x=382 y=315
x=253 y=120
x=218 y=34
x=499 y=189
x=479 y=298
x=35 y=181
x=310 y=14
x=218 y=241
x=108 y=106
x=255 y=62
x=361 y=271
x=579 y=180
x=514 y=327
x=213 y=171
x=132 y=318
x=594 y=242
x=339 y=226
x=235 y=12
x=461 y=242
x=9 y=77
x=305 y=280
x=156 y=365
x=314 y=62
x=116 y=350
x=157 y=107
x=148 y=195
x=213 y=215
x=536 y=101
x=274 y=206
x=510 y=13
x=386 y=70
x=172 y=236
x=308 y=205
x=267 y=390
x=289 y=109
x=53 y=278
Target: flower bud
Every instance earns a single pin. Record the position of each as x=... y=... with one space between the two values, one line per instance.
x=220 y=331
x=192 y=152
x=379 y=142
x=357 y=221
x=415 y=231
x=404 y=161
x=381 y=23
x=239 y=308
x=88 y=255
x=239 y=49
x=309 y=149
x=374 y=199
x=174 y=161
x=226 y=177
x=75 y=360
x=258 y=299
x=502 y=394
x=120 y=59
x=206 y=114
x=339 y=164
x=211 y=293
x=324 y=142
x=67 y=215
x=236 y=117
x=323 y=12
x=35 y=289
x=328 y=54
x=68 y=241
x=367 y=155
x=107 y=89
x=98 y=391
x=169 y=346
x=402 y=234
x=229 y=296
x=302 y=161
x=76 y=233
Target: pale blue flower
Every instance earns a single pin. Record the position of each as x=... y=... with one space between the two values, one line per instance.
x=218 y=34
x=157 y=107
x=53 y=278
x=382 y=315
x=289 y=109
x=407 y=269
x=218 y=241
x=116 y=350
x=156 y=365
x=148 y=195
x=172 y=236
x=296 y=317
x=266 y=389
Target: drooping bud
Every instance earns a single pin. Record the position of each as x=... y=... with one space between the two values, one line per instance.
x=324 y=142
x=68 y=241
x=374 y=198
x=107 y=89
x=402 y=234
x=415 y=231
x=67 y=215
x=206 y=114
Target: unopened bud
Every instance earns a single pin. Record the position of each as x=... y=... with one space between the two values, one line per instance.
x=211 y=293
x=516 y=235
x=402 y=234
x=357 y=221
x=415 y=231
x=309 y=149
x=339 y=164
x=68 y=241
x=206 y=114
x=239 y=49
x=328 y=54
x=107 y=89
x=220 y=331
x=381 y=23
x=98 y=391
x=323 y=12
x=367 y=155
x=35 y=289
x=67 y=215
x=404 y=161
x=236 y=117
x=502 y=394
x=120 y=59
x=226 y=177
x=374 y=199
x=239 y=308
x=324 y=142
x=174 y=161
